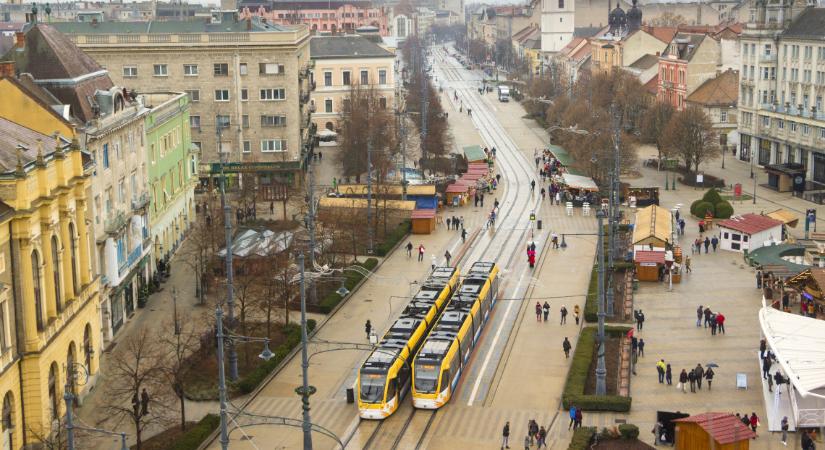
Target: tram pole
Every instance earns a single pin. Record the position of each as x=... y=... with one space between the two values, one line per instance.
x=601 y=370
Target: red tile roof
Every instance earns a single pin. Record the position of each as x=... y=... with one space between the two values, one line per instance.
x=423 y=214
x=647 y=256
x=457 y=188
x=725 y=428
x=722 y=90
x=750 y=223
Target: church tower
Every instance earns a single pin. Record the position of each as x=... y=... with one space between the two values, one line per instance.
x=557 y=24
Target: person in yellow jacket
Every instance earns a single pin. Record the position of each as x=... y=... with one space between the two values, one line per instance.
x=576 y=312
x=660 y=367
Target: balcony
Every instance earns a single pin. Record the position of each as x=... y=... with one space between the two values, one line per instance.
x=115 y=222
x=131 y=259
x=141 y=201
x=767 y=59
x=806 y=113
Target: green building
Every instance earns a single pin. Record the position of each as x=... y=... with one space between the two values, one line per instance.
x=171 y=166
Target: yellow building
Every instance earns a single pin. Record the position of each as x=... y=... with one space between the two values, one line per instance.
x=48 y=292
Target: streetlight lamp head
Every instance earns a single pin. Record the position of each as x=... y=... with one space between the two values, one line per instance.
x=342 y=291
x=266 y=354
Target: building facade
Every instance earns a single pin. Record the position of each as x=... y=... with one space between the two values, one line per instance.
x=341 y=62
x=49 y=292
x=689 y=60
x=335 y=16
x=781 y=90
x=718 y=97
x=558 y=22
x=247 y=80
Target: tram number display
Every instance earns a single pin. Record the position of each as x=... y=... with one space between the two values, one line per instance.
x=428 y=367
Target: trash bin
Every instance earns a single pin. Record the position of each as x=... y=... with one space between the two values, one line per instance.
x=350 y=395
x=538 y=224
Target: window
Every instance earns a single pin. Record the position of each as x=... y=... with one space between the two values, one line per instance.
x=105 y=156
x=780 y=124
x=73 y=248
x=723 y=116
x=243 y=69
x=328 y=105
x=346 y=80
x=38 y=294
x=221 y=69
x=382 y=76
x=190 y=70
x=244 y=95
x=245 y=121
x=129 y=71
x=745 y=49
x=561 y=4
x=195 y=122
x=197 y=145
x=805 y=129
x=767 y=49
x=822 y=132
x=121 y=191
x=273 y=145
x=270 y=69
x=221 y=95
x=792 y=126
x=383 y=102
x=365 y=77
x=247 y=147
x=194 y=95
x=765 y=73
x=160 y=70
x=273 y=121
x=4 y=341
x=223 y=121
x=809 y=52
x=327 y=78
x=58 y=288
x=273 y=94
x=109 y=201
x=766 y=121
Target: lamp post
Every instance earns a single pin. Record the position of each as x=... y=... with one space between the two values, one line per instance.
x=601 y=369
x=305 y=390
x=68 y=397
x=230 y=290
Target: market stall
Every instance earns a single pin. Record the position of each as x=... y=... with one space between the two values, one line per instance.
x=749 y=232
x=475 y=154
x=457 y=194
x=652 y=229
x=647 y=264
x=579 y=189
x=423 y=221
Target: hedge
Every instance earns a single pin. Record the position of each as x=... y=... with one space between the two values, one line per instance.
x=194 y=437
x=700 y=208
x=580 y=368
x=712 y=196
x=582 y=438
x=723 y=210
x=393 y=237
x=251 y=380
x=629 y=431
x=351 y=279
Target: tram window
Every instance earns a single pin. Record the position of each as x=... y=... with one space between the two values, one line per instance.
x=426 y=378
x=446 y=378
x=372 y=388
x=392 y=388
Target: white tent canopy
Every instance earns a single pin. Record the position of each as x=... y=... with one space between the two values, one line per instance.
x=799 y=345
x=579 y=182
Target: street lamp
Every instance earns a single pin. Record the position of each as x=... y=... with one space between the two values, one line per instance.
x=69 y=398
x=601 y=368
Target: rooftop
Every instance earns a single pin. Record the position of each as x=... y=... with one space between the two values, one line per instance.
x=31 y=143
x=645 y=62
x=750 y=223
x=683 y=46
x=722 y=90
x=810 y=24
x=324 y=47
x=197 y=25
x=725 y=428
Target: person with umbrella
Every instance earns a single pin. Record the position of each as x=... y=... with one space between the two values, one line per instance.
x=709 y=373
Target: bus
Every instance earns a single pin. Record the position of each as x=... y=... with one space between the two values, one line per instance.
x=385 y=376
x=443 y=356
x=503 y=94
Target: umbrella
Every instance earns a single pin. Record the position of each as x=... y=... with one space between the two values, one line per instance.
x=712 y=364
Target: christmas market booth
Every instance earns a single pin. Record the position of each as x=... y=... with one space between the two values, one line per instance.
x=721 y=431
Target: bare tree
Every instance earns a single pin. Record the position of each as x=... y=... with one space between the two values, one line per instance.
x=281 y=289
x=179 y=342
x=366 y=123
x=51 y=438
x=667 y=19
x=691 y=135
x=656 y=120
x=136 y=389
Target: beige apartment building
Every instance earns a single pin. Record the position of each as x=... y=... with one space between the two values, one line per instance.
x=248 y=82
x=341 y=62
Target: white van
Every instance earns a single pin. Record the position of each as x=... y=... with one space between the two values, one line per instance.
x=503 y=94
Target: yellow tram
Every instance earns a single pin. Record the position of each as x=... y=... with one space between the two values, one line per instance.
x=384 y=377
x=438 y=365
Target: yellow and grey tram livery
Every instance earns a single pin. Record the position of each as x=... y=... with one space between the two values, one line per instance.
x=438 y=365
x=384 y=377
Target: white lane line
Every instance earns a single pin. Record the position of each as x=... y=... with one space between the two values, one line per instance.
x=493 y=344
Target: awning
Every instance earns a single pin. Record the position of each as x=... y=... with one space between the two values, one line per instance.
x=652 y=224
x=474 y=153
x=783 y=215
x=799 y=345
x=579 y=182
x=423 y=214
x=457 y=188
x=561 y=154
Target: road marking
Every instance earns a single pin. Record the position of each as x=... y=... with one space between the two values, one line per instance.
x=493 y=344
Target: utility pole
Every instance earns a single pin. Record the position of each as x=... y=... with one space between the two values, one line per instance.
x=370 y=231
x=613 y=209
x=601 y=369
x=311 y=212
x=230 y=290
x=425 y=93
x=305 y=390
x=224 y=439
x=399 y=111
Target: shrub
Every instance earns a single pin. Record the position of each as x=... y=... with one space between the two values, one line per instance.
x=701 y=208
x=629 y=431
x=251 y=380
x=351 y=279
x=582 y=438
x=194 y=437
x=591 y=306
x=579 y=369
x=712 y=196
x=723 y=210
x=392 y=238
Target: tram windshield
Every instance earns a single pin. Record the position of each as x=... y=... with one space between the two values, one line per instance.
x=426 y=378
x=372 y=387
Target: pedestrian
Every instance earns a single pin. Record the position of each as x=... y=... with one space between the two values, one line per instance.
x=640 y=321
x=746 y=420
x=546 y=310
x=707 y=244
x=763 y=346
x=785 y=431
x=713 y=324
x=532 y=185
x=528 y=441
x=532 y=430
x=542 y=440
x=669 y=375
x=463 y=235
x=699 y=316
x=707 y=313
x=563 y=315
x=558 y=198
x=698 y=244
x=271 y=208
x=572 y=416
x=807 y=441
x=409 y=249
x=543 y=194
x=449 y=222
x=683 y=379
x=687 y=264
x=641 y=347
x=709 y=376
x=720 y=322
x=754 y=422
x=700 y=373
x=579 y=418
x=447 y=256
x=766 y=367
x=420 y=252
x=566 y=346
x=475 y=200
x=714 y=242
x=538 y=312
x=433 y=261
x=660 y=368
x=692 y=380
x=470 y=113
x=682 y=226
x=676 y=215
x=634 y=348
x=758 y=279
x=368 y=328
x=505 y=435
x=576 y=311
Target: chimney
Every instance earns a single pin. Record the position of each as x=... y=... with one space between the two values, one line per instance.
x=20 y=39
x=6 y=69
